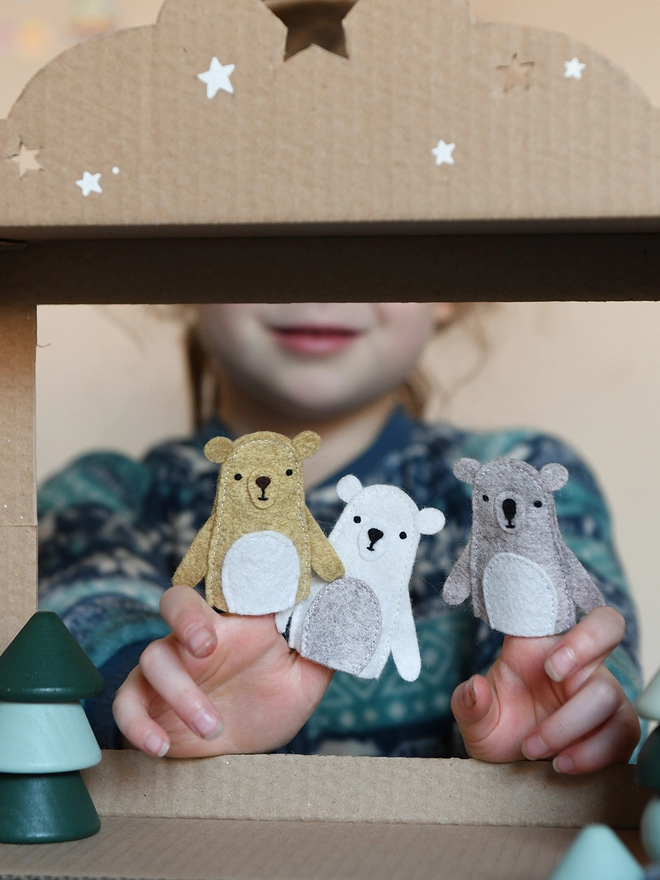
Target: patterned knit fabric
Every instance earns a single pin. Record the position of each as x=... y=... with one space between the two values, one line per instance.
x=113 y=530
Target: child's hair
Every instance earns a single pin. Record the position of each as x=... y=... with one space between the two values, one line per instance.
x=413 y=393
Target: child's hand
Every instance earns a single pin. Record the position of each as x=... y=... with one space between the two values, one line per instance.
x=552 y=697
x=219 y=684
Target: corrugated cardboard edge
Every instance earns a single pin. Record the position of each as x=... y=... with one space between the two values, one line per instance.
x=320 y=138
x=18 y=525
x=345 y=789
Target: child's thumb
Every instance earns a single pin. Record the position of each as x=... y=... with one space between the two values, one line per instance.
x=475 y=708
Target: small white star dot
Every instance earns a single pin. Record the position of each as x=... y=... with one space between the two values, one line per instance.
x=443 y=153
x=89 y=183
x=115 y=170
x=217 y=78
x=573 y=69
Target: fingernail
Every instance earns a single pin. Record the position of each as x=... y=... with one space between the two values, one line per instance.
x=469 y=694
x=156 y=745
x=198 y=638
x=207 y=724
x=563 y=764
x=560 y=664
x=534 y=748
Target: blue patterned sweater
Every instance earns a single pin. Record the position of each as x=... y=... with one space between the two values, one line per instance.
x=112 y=531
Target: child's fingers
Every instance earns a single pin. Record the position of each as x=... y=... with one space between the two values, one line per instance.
x=162 y=668
x=191 y=619
x=587 y=644
x=596 y=701
x=475 y=709
x=130 y=711
x=612 y=744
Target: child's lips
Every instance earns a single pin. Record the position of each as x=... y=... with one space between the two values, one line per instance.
x=315 y=339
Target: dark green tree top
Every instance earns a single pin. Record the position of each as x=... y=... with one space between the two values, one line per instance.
x=45 y=664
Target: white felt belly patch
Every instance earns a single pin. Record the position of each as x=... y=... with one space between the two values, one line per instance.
x=260 y=573
x=519 y=595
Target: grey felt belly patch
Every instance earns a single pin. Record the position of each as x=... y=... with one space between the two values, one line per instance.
x=343 y=626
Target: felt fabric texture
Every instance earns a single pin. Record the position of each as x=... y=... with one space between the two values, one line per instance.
x=343 y=626
x=521 y=576
x=260 y=573
x=376 y=538
x=260 y=534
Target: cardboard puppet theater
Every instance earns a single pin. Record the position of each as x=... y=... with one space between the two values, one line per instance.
x=189 y=161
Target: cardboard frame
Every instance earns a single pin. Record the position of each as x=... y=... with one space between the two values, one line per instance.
x=554 y=194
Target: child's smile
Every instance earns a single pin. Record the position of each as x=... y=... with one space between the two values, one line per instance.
x=315 y=339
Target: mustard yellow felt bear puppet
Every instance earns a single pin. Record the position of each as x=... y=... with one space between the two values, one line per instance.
x=260 y=544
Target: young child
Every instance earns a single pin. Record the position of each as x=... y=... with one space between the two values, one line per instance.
x=113 y=531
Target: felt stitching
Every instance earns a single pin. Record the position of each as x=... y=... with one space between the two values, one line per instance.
x=384 y=654
x=277 y=445
x=538 y=539
x=314 y=612
x=487 y=469
x=547 y=621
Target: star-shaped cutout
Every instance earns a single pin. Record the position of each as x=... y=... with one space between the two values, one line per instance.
x=26 y=160
x=573 y=69
x=217 y=78
x=89 y=183
x=313 y=23
x=443 y=153
x=517 y=73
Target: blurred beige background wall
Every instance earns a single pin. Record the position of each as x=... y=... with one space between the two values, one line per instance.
x=113 y=377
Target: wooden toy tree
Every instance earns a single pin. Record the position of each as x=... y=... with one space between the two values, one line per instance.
x=597 y=853
x=45 y=738
x=647 y=771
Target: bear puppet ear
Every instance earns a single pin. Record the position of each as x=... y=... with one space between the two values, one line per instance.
x=348 y=487
x=218 y=449
x=430 y=521
x=306 y=443
x=466 y=469
x=553 y=476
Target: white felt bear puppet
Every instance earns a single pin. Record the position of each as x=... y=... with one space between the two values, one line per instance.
x=353 y=623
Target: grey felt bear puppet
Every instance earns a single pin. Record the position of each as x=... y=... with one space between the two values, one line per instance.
x=523 y=579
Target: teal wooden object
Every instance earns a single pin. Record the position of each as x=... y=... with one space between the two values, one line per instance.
x=650 y=829
x=647 y=769
x=46 y=738
x=48 y=808
x=648 y=702
x=597 y=854
x=44 y=663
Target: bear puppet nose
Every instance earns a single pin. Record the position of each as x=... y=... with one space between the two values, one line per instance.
x=509 y=509
x=374 y=535
x=263 y=482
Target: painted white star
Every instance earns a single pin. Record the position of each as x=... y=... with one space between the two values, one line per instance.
x=443 y=153
x=217 y=77
x=89 y=183
x=574 y=69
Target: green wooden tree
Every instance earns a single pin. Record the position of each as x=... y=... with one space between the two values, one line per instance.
x=647 y=771
x=45 y=738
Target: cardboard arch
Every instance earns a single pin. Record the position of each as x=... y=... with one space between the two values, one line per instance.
x=320 y=142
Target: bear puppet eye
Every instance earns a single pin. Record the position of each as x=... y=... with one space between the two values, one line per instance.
x=357 y=519
x=289 y=472
x=238 y=476
x=538 y=504
x=485 y=497
x=403 y=536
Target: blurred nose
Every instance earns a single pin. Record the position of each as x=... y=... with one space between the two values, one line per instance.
x=263 y=482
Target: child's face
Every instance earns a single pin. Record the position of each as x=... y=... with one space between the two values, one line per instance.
x=318 y=359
